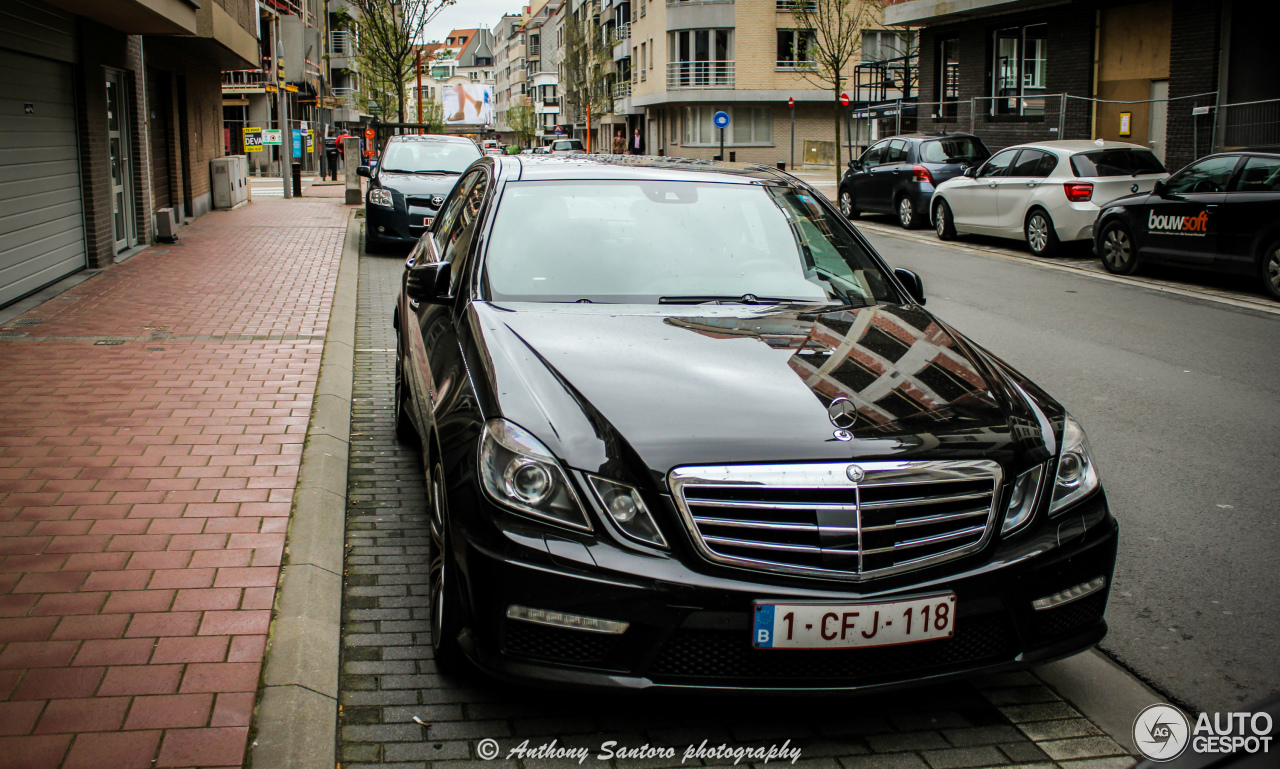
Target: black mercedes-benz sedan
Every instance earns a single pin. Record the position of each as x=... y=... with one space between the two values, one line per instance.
x=683 y=427
x=408 y=185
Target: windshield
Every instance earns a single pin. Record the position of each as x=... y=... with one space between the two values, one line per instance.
x=415 y=156
x=956 y=150
x=674 y=242
x=1116 y=163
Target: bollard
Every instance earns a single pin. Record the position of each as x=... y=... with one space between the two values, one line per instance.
x=782 y=165
x=350 y=160
x=297 y=180
x=733 y=157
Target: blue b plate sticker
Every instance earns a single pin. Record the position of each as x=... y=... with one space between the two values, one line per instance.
x=763 y=634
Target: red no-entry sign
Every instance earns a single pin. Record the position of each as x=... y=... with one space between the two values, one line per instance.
x=844 y=99
x=791 y=102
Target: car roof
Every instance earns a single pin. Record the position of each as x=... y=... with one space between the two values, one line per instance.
x=1272 y=149
x=429 y=138
x=924 y=137
x=637 y=167
x=1079 y=145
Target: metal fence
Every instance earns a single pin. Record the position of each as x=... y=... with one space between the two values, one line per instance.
x=1250 y=123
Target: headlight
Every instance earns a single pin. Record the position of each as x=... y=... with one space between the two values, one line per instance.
x=628 y=511
x=381 y=197
x=1077 y=472
x=1022 y=502
x=520 y=473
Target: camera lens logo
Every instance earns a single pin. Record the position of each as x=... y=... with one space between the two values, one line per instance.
x=1161 y=732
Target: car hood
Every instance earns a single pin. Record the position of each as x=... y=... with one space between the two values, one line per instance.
x=418 y=184
x=719 y=384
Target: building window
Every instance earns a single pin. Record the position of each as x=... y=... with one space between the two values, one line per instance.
x=795 y=48
x=701 y=58
x=948 y=77
x=1018 y=72
x=747 y=126
x=883 y=44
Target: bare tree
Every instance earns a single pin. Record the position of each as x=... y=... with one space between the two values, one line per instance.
x=388 y=42
x=584 y=65
x=523 y=122
x=835 y=37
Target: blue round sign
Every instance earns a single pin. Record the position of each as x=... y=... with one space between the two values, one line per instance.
x=721 y=119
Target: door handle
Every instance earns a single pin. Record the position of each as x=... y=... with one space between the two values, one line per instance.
x=1033 y=184
x=992 y=184
x=1211 y=207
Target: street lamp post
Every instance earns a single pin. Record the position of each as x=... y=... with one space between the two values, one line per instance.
x=282 y=114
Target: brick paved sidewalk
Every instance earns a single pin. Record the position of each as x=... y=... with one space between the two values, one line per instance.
x=151 y=424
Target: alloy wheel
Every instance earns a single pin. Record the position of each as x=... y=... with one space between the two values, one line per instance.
x=846 y=204
x=1037 y=233
x=1271 y=271
x=906 y=214
x=1116 y=249
x=940 y=221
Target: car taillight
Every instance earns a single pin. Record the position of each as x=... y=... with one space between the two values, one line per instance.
x=1078 y=192
x=921 y=174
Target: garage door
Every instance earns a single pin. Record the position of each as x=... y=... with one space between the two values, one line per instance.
x=41 y=222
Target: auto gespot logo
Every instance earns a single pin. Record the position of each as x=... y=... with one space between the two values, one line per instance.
x=1179 y=225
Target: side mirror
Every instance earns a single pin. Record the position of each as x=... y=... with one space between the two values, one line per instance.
x=855 y=165
x=362 y=171
x=1160 y=188
x=970 y=171
x=912 y=282
x=428 y=283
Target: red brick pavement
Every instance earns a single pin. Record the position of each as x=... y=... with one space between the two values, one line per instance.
x=145 y=489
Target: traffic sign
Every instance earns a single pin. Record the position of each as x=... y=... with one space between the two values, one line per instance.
x=844 y=99
x=271 y=135
x=721 y=119
x=369 y=133
x=791 y=102
x=559 y=131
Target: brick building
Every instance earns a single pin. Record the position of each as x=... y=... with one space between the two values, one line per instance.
x=108 y=111
x=1161 y=73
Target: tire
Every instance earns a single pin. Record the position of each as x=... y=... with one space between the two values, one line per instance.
x=1041 y=238
x=1115 y=246
x=943 y=224
x=442 y=570
x=846 y=205
x=907 y=213
x=1269 y=269
x=406 y=433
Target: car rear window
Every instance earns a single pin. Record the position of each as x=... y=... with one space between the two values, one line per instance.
x=960 y=149
x=1116 y=163
x=568 y=144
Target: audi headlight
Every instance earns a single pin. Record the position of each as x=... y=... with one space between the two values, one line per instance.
x=627 y=510
x=520 y=473
x=381 y=197
x=1022 y=502
x=1077 y=471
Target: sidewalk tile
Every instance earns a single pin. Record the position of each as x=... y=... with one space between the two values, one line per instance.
x=141 y=679
x=58 y=683
x=119 y=750
x=36 y=752
x=94 y=714
x=169 y=711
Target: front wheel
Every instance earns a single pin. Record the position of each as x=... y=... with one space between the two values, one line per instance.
x=1270 y=268
x=442 y=576
x=943 y=224
x=846 y=205
x=907 y=214
x=1041 y=238
x=1118 y=254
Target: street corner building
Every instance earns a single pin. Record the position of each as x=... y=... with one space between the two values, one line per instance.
x=110 y=113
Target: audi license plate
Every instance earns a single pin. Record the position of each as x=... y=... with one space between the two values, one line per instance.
x=853 y=625
x=426 y=221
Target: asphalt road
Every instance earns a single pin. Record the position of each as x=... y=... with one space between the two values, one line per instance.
x=1180 y=398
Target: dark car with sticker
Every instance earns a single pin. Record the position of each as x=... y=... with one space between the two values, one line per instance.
x=1220 y=213
x=710 y=439
x=409 y=183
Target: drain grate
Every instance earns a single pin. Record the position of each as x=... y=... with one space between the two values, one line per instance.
x=12 y=334
x=23 y=322
x=112 y=341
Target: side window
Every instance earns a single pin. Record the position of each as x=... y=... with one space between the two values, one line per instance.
x=1209 y=175
x=998 y=164
x=1047 y=164
x=875 y=155
x=1259 y=175
x=447 y=224
x=1027 y=164
x=897 y=152
x=458 y=239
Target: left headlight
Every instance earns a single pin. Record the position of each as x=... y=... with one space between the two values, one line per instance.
x=1077 y=471
x=381 y=197
x=520 y=473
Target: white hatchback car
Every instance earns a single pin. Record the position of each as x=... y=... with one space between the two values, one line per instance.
x=1043 y=192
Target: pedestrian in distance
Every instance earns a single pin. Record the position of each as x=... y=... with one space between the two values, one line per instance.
x=637 y=144
x=619 y=144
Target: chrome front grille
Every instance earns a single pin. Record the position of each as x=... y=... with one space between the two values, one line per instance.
x=815 y=519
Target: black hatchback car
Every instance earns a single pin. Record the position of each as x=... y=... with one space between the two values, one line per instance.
x=898 y=175
x=683 y=427
x=1220 y=213
x=408 y=185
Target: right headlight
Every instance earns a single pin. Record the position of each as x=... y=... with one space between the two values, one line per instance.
x=520 y=473
x=381 y=197
x=1077 y=474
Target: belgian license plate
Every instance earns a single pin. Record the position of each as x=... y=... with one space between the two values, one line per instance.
x=426 y=221
x=853 y=625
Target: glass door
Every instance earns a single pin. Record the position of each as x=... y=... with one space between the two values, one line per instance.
x=123 y=222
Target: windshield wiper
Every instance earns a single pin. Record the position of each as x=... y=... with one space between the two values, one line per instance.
x=438 y=171
x=743 y=299
x=396 y=171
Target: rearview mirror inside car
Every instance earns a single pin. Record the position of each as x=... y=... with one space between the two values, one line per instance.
x=911 y=282
x=362 y=171
x=428 y=283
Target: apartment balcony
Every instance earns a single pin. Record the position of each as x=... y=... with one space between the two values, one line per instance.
x=622 y=90
x=245 y=81
x=345 y=96
x=691 y=75
x=624 y=31
x=787 y=6
x=681 y=3
x=342 y=42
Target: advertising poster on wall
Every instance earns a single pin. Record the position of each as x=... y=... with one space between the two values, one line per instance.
x=467 y=103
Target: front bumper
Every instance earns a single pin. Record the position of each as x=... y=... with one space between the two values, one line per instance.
x=691 y=629
x=396 y=225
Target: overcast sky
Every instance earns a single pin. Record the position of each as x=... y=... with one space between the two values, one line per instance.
x=468 y=14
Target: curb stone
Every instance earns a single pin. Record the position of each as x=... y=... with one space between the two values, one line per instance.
x=296 y=717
